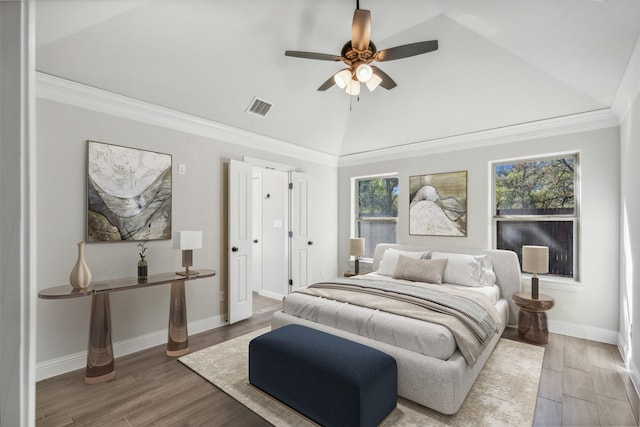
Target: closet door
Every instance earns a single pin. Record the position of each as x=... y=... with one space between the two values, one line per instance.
x=240 y=235
x=300 y=235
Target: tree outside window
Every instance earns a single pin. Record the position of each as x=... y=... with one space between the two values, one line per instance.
x=376 y=213
x=536 y=204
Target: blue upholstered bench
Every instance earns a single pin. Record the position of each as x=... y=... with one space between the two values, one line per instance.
x=331 y=380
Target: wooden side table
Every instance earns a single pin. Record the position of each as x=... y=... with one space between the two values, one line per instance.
x=532 y=317
x=348 y=274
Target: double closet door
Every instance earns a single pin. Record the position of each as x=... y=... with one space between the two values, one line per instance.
x=270 y=243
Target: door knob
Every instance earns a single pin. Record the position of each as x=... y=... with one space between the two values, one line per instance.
x=309 y=243
x=255 y=240
x=234 y=249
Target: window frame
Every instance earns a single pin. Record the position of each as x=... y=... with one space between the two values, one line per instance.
x=574 y=218
x=354 y=208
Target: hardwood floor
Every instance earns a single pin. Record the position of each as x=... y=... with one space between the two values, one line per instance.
x=583 y=383
x=151 y=389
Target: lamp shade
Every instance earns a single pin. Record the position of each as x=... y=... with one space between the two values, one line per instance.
x=343 y=78
x=187 y=240
x=353 y=88
x=535 y=259
x=373 y=82
x=364 y=72
x=356 y=247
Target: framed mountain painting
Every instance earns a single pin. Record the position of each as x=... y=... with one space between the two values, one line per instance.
x=128 y=194
x=438 y=204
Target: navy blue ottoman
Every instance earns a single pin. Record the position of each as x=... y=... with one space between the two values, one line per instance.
x=331 y=380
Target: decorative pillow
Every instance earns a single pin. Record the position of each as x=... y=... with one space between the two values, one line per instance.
x=462 y=269
x=390 y=259
x=488 y=275
x=420 y=270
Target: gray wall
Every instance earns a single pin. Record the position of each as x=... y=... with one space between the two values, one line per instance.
x=591 y=305
x=139 y=317
x=630 y=240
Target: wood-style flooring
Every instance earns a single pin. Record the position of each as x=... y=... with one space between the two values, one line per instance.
x=583 y=383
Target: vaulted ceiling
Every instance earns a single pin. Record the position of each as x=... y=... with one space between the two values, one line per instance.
x=499 y=62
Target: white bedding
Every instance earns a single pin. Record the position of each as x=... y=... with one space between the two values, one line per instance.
x=492 y=292
x=412 y=334
x=426 y=375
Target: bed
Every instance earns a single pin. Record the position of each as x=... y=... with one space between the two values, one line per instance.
x=437 y=363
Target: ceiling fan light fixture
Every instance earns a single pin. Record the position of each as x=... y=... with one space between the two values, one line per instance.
x=373 y=82
x=343 y=78
x=364 y=72
x=353 y=88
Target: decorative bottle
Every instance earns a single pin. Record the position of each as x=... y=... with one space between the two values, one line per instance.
x=80 y=276
x=142 y=269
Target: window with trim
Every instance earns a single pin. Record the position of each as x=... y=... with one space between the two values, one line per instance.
x=537 y=203
x=376 y=210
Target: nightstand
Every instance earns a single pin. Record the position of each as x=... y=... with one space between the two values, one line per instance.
x=532 y=318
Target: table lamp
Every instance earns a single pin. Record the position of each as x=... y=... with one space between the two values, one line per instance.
x=187 y=241
x=535 y=259
x=356 y=249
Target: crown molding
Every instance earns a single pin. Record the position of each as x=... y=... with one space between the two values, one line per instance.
x=598 y=119
x=629 y=86
x=65 y=91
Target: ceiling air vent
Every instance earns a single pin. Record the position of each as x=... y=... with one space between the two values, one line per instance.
x=259 y=107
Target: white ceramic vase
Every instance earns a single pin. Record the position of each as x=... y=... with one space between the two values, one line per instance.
x=80 y=276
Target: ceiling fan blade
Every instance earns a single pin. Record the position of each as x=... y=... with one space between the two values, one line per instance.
x=361 y=29
x=312 y=55
x=387 y=82
x=406 y=50
x=326 y=85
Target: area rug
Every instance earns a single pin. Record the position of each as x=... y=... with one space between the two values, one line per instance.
x=505 y=392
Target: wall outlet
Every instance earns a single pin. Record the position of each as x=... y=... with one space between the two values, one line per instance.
x=222 y=295
x=182 y=169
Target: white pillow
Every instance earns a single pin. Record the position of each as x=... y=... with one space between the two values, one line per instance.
x=462 y=269
x=390 y=260
x=488 y=275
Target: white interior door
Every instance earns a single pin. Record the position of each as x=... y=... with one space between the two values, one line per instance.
x=240 y=237
x=256 y=233
x=300 y=233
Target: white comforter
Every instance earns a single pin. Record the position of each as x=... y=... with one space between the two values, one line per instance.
x=412 y=334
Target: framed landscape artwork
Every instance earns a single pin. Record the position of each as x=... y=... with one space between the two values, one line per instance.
x=438 y=204
x=128 y=194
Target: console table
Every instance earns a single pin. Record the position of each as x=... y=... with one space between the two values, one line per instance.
x=100 y=361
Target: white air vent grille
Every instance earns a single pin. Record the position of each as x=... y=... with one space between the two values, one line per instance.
x=259 y=107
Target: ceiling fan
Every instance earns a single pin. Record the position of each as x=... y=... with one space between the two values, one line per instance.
x=359 y=52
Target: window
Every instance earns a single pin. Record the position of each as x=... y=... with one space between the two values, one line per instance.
x=536 y=203
x=376 y=210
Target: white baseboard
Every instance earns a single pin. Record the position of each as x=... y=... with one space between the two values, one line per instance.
x=581 y=331
x=71 y=362
x=632 y=369
x=272 y=295
x=635 y=376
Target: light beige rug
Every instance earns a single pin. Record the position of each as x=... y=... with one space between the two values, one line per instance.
x=504 y=393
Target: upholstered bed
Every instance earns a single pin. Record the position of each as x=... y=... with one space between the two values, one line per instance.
x=432 y=369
